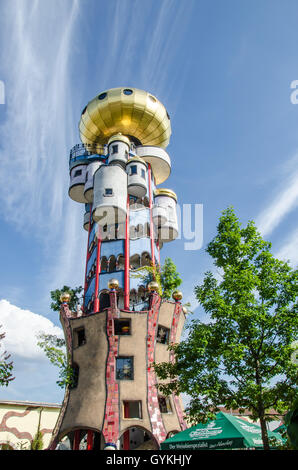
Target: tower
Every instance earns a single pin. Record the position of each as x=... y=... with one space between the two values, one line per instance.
x=124 y=326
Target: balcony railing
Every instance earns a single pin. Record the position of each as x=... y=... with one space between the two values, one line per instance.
x=83 y=151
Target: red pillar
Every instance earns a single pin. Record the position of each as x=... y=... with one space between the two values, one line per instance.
x=151 y=219
x=76 y=441
x=96 y=299
x=90 y=436
x=126 y=256
x=87 y=259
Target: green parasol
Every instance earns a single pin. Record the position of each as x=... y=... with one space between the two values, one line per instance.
x=224 y=432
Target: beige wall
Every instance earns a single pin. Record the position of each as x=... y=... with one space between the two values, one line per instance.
x=85 y=408
x=19 y=423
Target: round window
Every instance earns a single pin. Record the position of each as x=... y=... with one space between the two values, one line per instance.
x=102 y=96
x=84 y=110
x=127 y=91
x=152 y=98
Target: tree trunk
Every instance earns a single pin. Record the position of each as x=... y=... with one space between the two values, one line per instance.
x=264 y=433
x=261 y=411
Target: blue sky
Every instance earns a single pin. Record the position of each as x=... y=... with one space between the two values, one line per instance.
x=222 y=68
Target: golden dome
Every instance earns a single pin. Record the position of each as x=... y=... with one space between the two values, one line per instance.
x=165 y=192
x=153 y=286
x=129 y=111
x=65 y=297
x=177 y=295
x=113 y=284
x=117 y=137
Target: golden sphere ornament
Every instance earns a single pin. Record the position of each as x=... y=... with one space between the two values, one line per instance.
x=153 y=286
x=113 y=284
x=177 y=295
x=65 y=297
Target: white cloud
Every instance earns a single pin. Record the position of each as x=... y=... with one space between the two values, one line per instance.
x=289 y=250
x=36 y=133
x=21 y=327
x=285 y=201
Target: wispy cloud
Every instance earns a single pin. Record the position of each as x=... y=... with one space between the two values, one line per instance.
x=36 y=131
x=289 y=250
x=284 y=201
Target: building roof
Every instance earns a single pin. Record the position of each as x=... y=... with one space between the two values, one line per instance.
x=30 y=403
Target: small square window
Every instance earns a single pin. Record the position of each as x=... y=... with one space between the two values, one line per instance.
x=108 y=192
x=122 y=326
x=124 y=368
x=114 y=149
x=77 y=173
x=165 y=404
x=162 y=335
x=133 y=170
x=143 y=174
x=79 y=337
x=132 y=409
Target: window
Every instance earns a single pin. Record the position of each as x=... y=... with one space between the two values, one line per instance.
x=102 y=96
x=77 y=173
x=124 y=368
x=114 y=149
x=79 y=337
x=86 y=179
x=108 y=192
x=165 y=404
x=143 y=173
x=133 y=170
x=132 y=409
x=127 y=91
x=122 y=326
x=162 y=335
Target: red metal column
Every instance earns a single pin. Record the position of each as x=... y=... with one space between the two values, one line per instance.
x=126 y=256
x=90 y=436
x=97 y=271
x=87 y=259
x=126 y=440
x=151 y=220
x=76 y=441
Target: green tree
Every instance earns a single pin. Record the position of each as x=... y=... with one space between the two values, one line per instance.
x=53 y=346
x=74 y=297
x=6 y=366
x=165 y=275
x=55 y=351
x=242 y=357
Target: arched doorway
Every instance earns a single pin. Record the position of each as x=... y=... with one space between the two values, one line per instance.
x=104 y=300
x=81 y=439
x=137 y=438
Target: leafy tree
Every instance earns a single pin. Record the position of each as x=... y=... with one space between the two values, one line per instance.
x=54 y=349
x=291 y=421
x=242 y=357
x=74 y=297
x=6 y=366
x=37 y=442
x=165 y=275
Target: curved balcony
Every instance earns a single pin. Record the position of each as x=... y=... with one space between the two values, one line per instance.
x=81 y=154
x=159 y=160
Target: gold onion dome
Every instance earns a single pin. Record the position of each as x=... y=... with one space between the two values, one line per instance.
x=113 y=284
x=165 y=192
x=65 y=297
x=153 y=286
x=129 y=111
x=177 y=295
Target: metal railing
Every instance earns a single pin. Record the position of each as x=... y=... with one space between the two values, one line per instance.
x=83 y=151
